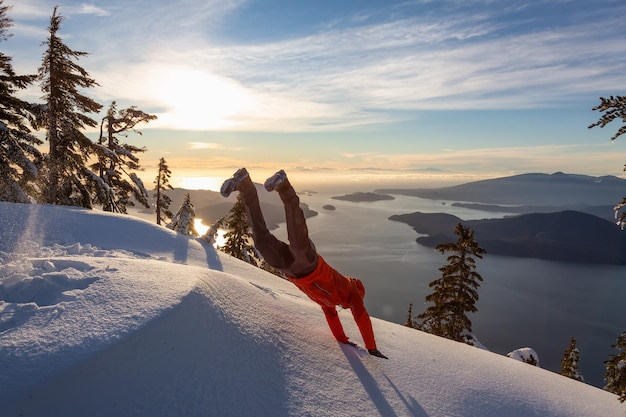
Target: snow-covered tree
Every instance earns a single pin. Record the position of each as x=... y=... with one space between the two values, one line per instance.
x=615 y=374
x=614 y=108
x=117 y=161
x=19 y=158
x=455 y=292
x=163 y=201
x=183 y=220
x=69 y=181
x=210 y=236
x=569 y=363
x=526 y=355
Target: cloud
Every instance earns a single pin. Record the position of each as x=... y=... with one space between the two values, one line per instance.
x=41 y=9
x=30 y=9
x=203 y=145
x=194 y=99
x=360 y=70
x=86 y=8
x=592 y=159
x=409 y=65
x=358 y=155
x=197 y=146
x=348 y=77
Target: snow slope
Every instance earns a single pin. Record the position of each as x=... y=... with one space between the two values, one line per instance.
x=108 y=315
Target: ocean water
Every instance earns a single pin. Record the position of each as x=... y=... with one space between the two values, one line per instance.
x=523 y=302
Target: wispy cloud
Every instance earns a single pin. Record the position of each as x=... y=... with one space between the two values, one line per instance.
x=29 y=9
x=353 y=76
x=411 y=65
x=197 y=146
x=359 y=155
x=499 y=161
x=87 y=8
x=38 y=9
x=357 y=71
x=203 y=145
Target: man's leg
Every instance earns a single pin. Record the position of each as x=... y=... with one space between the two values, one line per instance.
x=301 y=247
x=275 y=252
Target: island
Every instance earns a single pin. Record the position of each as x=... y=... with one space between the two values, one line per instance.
x=329 y=207
x=359 y=197
x=566 y=236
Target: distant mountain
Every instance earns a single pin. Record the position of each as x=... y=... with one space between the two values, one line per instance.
x=529 y=189
x=568 y=236
x=605 y=212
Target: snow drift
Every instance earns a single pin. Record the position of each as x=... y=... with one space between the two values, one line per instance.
x=107 y=315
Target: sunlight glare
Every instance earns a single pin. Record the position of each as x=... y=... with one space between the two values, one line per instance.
x=199 y=100
x=199 y=183
x=220 y=240
x=200 y=227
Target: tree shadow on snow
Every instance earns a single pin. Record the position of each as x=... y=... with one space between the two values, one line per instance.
x=181 y=248
x=181 y=251
x=212 y=258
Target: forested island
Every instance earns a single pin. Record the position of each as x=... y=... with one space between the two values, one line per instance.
x=364 y=197
x=568 y=236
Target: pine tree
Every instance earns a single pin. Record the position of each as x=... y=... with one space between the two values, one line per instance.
x=117 y=161
x=254 y=255
x=238 y=237
x=569 y=363
x=20 y=160
x=615 y=374
x=455 y=293
x=163 y=201
x=69 y=180
x=614 y=108
x=183 y=220
x=409 y=317
x=267 y=267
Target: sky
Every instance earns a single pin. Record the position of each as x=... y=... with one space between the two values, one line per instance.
x=127 y=318
x=364 y=93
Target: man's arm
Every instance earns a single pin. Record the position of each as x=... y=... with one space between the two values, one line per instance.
x=335 y=324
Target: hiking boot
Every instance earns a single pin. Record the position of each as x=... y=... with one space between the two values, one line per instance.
x=275 y=181
x=232 y=183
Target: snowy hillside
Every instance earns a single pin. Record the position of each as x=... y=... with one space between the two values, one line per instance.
x=108 y=315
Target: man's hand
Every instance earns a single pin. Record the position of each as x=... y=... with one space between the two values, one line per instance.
x=377 y=353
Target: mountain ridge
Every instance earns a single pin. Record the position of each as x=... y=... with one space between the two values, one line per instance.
x=527 y=189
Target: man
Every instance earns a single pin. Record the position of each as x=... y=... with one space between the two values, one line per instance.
x=299 y=260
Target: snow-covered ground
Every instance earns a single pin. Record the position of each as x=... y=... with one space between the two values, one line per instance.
x=109 y=315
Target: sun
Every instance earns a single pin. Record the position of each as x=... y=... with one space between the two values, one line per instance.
x=198 y=100
x=200 y=183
